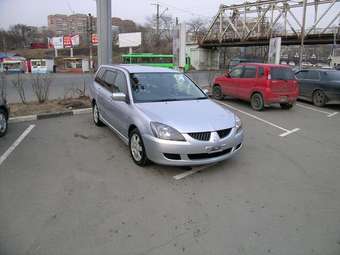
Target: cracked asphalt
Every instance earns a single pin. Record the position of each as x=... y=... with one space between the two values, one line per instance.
x=71 y=188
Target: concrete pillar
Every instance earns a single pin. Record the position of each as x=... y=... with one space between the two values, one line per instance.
x=104 y=31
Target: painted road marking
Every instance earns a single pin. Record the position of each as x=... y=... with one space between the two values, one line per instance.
x=286 y=131
x=191 y=172
x=15 y=144
x=329 y=114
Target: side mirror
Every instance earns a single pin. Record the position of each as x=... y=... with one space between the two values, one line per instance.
x=227 y=74
x=118 y=96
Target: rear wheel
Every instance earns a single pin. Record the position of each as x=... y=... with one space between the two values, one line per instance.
x=217 y=92
x=257 y=102
x=96 y=116
x=137 y=149
x=286 y=106
x=3 y=122
x=319 y=98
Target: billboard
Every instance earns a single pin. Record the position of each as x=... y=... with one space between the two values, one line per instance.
x=67 y=42
x=274 y=52
x=130 y=39
x=75 y=40
x=58 y=42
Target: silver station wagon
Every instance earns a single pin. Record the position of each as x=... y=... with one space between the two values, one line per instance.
x=163 y=116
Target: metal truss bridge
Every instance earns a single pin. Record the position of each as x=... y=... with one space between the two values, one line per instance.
x=254 y=23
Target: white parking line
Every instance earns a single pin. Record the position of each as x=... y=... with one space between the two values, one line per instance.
x=329 y=114
x=286 y=131
x=15 y=144
x=190 y=172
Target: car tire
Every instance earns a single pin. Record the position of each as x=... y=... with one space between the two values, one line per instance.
x=257 y=102
x=319 y=98
x=96 y=116
x=137 y=149
x=286 y=106
x=217 y=92
x=3 y=122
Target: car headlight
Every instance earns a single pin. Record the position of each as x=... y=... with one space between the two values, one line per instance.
x=238 y=124
x=163 y=131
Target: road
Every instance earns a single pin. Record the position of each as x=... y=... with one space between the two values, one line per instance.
x=71 y=188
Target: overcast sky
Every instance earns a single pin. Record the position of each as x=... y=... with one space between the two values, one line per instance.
x=34 y=12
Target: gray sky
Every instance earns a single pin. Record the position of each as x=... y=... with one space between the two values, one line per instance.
x=34 y=12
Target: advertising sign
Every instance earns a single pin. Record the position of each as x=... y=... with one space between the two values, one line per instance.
x=58 y=42
x=130 y=39
x=274 y=52
x=75 y=40
x=67 y=42
x=94 y=39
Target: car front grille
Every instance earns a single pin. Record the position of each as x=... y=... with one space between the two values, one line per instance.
x=202 y=136
x=198 y=156
x=224 y=132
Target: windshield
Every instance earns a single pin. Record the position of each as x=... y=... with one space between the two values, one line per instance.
x=281 y=73
x=333 y=75
x=158 y=87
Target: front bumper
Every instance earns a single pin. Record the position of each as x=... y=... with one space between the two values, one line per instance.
x=192 y=152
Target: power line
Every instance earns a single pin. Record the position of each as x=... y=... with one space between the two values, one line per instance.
x=184 y=10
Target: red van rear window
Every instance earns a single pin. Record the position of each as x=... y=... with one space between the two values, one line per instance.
x=281 y=73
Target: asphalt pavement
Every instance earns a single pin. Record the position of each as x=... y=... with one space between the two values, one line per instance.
x=70 y=187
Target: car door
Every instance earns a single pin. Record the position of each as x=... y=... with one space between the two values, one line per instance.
x=308 y=81
x=120 y=111
x=247 y=82
x=105 y=99
x=231 y=82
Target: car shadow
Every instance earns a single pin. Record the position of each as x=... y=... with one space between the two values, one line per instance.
x=274 y=107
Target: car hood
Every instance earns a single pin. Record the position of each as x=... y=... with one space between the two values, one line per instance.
x=189 y=116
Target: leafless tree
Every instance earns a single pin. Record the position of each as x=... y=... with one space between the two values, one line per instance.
x=197 y=27
x=41 y=86
x=18 y=84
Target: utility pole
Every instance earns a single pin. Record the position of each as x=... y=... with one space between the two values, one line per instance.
x=303 y=32
x=104 y=31
x=157 y=20
x=89 y=35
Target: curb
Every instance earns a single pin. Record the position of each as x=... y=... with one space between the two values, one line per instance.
x=49 y=115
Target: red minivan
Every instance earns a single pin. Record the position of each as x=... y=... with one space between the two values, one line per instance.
x=261 y=84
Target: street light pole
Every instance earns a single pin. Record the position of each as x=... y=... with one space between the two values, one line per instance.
x=303 y=32
x=104 y=31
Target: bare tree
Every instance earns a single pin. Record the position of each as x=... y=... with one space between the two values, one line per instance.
x=197 y=27
x=41 y=86
x=18 y=84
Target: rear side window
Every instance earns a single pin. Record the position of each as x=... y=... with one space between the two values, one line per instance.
x=281 y=73
x=99 y=76
x=302 y=75
x=249 y=72
x=109 y=79
x=313 y=75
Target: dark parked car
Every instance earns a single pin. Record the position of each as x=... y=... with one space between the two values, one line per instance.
x=4 y=113
x=319 y=86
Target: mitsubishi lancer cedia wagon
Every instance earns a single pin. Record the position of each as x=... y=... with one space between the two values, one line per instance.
x=163 y=116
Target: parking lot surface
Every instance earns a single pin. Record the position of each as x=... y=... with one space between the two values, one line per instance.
x=70 y=187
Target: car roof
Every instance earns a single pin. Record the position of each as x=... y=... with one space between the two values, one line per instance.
x=318 y=69
x=142 y=69
x=263 y=64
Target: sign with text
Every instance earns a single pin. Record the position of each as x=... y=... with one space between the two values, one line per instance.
x=58 y=42
x=67 y=42
x=75 y=40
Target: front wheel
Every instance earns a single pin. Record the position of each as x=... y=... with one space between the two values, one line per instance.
x=3 y=123
x=319 y=98
x=137 y=149
x=96 y=116
x=286 y=106
x=217 y=92
x=257 y=102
